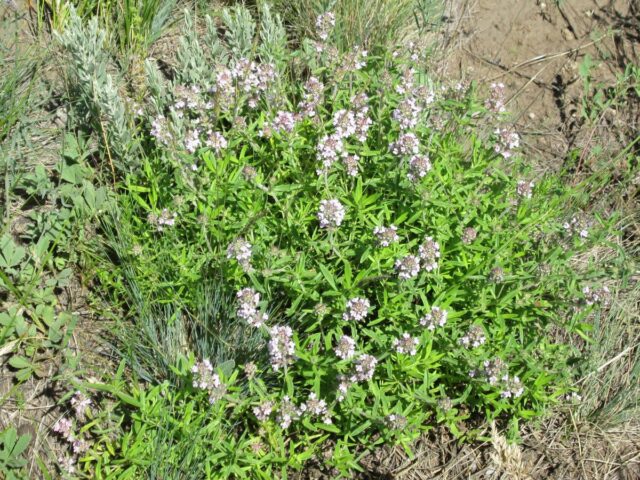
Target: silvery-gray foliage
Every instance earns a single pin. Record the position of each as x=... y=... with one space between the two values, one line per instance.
x=193 y=67
x=273 y=37
x=240 y=30
x=156 y=85
x=217 y=52
x=99 y=97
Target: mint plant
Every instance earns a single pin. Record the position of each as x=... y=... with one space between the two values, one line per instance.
x=376 y=237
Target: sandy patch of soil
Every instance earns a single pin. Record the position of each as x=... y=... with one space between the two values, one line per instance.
x=538 y=48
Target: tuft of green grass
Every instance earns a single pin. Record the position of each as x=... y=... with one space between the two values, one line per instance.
x=167 y=329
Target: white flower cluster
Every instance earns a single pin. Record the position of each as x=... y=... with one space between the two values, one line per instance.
x=343 y=387
x=512 y=387
x=192 y=141
x=263 y=411
x=595 y=296
x=395 y=421
x=253 y=78
x=224 y=88
x=331 y=213
x=287 y=413
x=186 y=99
x=312 y=97
x=469 y=234
x=407 y=144
x=64 y=427
x=344 y=122
x=429 y=252
x=385 y=236
x=572 y=397
x=495 y=102
x=165 y=219
x=473 y=338
x=284 y=122
x=363 y=370
x=281 y=346
x=419 y=166
x=506 y=141
x=357 y=309
x=216 y=141
x=347 y=124
x=409 y=110
x=160 y=130
x=406 y=344
x=315 y=407
x=354 y=60
x=248 y=301
x=496 y=374
x=411 y=50
x=240 y=249
x=80 y=404
x=330 y=148
x=425 y=94
x=405 y=87
x=524 y=189
x=408 y=267
x=436 y=318
x=325 y=24
x=351 y=164
x=407 y=113
x=494 y=370
x=205 y=379
x=577 y=226
x=346 y=347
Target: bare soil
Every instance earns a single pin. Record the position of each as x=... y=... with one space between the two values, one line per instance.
x=536 y=48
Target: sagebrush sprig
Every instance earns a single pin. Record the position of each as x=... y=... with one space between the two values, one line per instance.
x=84 y=42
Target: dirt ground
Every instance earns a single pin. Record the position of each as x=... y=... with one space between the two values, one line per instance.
x=537 y=49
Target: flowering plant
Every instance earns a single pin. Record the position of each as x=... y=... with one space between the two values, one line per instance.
x=380 y=236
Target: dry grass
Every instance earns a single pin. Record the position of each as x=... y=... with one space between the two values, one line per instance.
x=381 y=23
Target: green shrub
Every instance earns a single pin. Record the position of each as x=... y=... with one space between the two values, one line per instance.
x=378 y=255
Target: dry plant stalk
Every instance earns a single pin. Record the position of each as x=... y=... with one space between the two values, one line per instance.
x=507 y=458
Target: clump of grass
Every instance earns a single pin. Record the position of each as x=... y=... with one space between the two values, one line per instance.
x=610 y=387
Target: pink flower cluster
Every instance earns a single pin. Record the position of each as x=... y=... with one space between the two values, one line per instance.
x=204 y=378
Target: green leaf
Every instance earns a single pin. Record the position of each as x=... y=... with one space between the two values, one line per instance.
x=19 y=362
x=328 y=276
x=10 y=253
